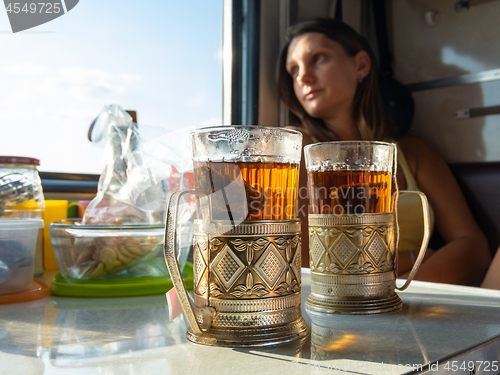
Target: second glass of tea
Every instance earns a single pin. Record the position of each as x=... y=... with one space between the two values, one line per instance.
x=353 y=229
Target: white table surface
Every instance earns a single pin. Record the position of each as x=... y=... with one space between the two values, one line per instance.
x=60 y=335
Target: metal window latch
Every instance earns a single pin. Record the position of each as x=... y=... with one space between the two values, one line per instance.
x=464 y=5
x=477 y=112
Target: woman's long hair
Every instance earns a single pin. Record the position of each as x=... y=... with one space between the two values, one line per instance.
x=368 y=110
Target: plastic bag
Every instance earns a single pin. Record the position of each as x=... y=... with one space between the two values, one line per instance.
x=136 y=180
x=134 y=186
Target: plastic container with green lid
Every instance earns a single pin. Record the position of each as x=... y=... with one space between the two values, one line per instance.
x=107 y=288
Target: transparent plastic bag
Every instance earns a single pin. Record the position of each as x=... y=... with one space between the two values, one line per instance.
x=137 y=179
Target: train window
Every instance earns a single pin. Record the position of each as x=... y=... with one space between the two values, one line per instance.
x=162 y=59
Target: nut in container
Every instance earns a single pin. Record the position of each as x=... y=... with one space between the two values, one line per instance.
x=94 y=252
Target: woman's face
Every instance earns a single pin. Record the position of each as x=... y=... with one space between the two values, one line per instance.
x=324 y=77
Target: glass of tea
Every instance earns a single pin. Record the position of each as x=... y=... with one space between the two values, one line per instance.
x=249 y=172
x=247 y=240
x=353 y=229
x=350 y=177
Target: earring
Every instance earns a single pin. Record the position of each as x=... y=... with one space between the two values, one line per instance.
x=361 y=79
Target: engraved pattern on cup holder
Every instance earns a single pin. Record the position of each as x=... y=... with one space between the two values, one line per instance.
x=251 y=265
x=351 y=248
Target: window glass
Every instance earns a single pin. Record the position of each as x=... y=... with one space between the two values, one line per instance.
x=160 y=58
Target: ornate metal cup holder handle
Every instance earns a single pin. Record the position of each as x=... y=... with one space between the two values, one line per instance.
x=170 y=252
x=425 y=240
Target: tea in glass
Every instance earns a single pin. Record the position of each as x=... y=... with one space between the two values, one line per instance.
x=250 y=191
x=349 y=192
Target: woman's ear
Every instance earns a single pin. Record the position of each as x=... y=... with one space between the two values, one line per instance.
x=363 y=63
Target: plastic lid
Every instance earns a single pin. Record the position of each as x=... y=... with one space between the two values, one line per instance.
x=18 y=160
x=132 y=287
x=37 y=290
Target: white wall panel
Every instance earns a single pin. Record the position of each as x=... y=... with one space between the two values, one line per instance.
x=459 y=43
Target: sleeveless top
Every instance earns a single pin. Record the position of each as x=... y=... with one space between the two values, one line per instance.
x=410 y=216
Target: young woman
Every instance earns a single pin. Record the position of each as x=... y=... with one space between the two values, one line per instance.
x=327 y=78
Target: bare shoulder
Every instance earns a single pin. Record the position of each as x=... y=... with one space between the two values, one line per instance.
x=410 y=142
x=413 y=146
x=435 y=180
x=419 y=154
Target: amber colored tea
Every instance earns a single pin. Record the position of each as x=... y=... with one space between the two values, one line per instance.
x=249 y=191
x=349 y=192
